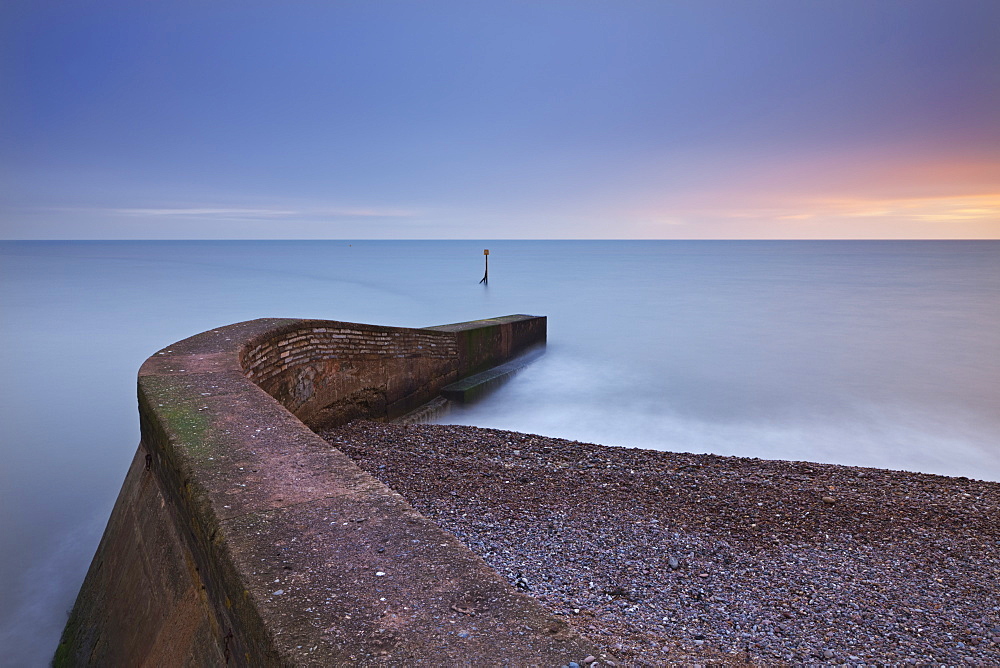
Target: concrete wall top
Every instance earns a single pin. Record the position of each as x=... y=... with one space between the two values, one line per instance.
x=303 y=558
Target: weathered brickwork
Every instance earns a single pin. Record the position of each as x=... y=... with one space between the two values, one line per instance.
x=267 y=359
x=332 y=373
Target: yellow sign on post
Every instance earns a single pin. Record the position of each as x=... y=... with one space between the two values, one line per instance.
x=486 y=276
x=486 y=251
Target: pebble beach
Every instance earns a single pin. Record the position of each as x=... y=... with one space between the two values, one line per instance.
x=680 y=559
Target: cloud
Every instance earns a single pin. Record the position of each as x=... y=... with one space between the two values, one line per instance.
x=200 y=220
x=236 y=213
x=202 y=212
x=943 y=209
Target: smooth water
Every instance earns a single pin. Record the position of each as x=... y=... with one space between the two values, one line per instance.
x=869 y=353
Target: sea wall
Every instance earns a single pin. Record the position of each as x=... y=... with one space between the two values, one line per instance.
x=331 y=374
x=242 y=538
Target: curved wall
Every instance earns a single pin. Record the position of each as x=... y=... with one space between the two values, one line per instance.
x=333 y=372
x=240 y=537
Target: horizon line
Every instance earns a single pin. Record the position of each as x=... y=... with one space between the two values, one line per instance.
x=794 y=239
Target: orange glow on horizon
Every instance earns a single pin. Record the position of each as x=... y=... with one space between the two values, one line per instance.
x=857 y=194
x=954 y=216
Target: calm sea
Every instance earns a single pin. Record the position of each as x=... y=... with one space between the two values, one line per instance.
x=868 y=353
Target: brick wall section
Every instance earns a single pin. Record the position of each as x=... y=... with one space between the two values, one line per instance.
x=242 y=538
x=332 y=372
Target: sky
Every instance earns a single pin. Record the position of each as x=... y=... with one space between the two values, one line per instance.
x=702 y=119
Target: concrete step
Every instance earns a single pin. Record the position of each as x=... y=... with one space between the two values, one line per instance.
x=479 y=385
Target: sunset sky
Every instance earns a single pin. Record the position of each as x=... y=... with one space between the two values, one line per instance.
x=567 y=119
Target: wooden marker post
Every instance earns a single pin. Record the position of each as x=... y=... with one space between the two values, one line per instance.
x=486 y=276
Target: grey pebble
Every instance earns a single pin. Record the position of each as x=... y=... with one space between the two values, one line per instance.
x=573 y=664
x=780 y=608
x=590 y=658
